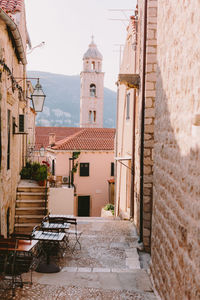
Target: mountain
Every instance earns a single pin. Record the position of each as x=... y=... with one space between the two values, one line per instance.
x=62 y=103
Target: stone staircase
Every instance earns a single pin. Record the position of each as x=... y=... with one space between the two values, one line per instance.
x=30 y=207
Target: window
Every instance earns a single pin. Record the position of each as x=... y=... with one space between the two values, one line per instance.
x=21 y=123
x=127 y=106
x=99 y=66
x=53 y=167
x=92 y=90
x=84 y=169
x=93 y=65
x=94 y=116
x=0 y=138
x=90 y=116
x=8 y=145
x=112 y=169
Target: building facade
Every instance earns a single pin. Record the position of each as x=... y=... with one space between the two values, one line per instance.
x=136 y=99
x=76 y=156
x=124 y=130
x=92 y=89
x=13 y=106
x=166 y=159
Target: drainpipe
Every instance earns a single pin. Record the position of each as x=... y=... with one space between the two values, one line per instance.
x=133 y=160
x=16 y=35
x=142 y=122
x=116 y=150
x=132 y=208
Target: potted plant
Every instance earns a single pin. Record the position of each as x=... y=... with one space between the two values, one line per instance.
x=41 y=175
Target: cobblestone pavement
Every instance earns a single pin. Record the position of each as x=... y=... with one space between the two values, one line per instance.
x=107 y=267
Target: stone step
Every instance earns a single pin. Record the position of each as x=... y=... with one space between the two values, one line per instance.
x=25 y=227
x=27 y=189
x=136 y=281
x=30 y=211
x=30 y=196
x=27 y=219
x=30 y=203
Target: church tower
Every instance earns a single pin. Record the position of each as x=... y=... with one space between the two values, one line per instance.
x=92 y=89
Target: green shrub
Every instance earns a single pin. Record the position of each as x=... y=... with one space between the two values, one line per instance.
x=25 y=173
x=41 y=173
x=34 y=171
x=110 y=207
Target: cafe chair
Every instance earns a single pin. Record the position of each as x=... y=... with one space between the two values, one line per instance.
x=77 y=233
x=23 y=262
x=7 y=279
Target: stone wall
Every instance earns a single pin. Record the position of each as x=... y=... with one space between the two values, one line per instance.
x=176 y=209
x=150 y=91
x=10 y=100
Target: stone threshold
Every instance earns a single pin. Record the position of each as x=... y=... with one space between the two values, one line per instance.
x=97 y=270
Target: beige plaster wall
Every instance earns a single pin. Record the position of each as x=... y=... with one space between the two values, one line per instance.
x=176 y=210
x=124 y=135
x=61 y=201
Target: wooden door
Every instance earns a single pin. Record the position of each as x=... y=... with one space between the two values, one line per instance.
x=83 y=206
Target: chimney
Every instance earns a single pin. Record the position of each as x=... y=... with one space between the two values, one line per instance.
x=52 y=139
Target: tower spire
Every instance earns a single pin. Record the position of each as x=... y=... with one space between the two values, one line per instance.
x=92 y=39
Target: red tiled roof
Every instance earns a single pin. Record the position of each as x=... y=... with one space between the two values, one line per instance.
x=42 y=134
x=75 y=138
x=11 y=6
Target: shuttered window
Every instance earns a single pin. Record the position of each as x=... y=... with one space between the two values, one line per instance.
x=84 y=169
x=112 y=169
x=21 y=123
x=8 y=144
x=0 y=136
x=127 y=106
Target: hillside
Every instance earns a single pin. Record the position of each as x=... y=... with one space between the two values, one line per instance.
x=62 y=104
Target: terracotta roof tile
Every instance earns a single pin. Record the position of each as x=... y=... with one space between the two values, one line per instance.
x=75 y=138
x=42 y=134
x=11 y=6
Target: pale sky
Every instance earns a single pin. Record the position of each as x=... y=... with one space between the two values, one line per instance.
x=66 y=27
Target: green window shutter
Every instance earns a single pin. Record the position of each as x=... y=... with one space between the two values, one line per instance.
x=21 y=123
x=112 y=168
x=84 y=169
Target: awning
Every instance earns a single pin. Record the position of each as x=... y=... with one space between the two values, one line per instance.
x=119 y=158
x=124 y=158
x=131 y=80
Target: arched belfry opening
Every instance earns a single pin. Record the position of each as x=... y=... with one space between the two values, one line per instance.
x=92 y=90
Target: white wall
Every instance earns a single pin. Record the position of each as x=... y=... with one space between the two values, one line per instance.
x=61 y=201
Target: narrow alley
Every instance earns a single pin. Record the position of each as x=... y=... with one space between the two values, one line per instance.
x=107 y=267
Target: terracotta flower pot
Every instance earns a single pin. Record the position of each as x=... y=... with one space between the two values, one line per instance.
x=42 y=182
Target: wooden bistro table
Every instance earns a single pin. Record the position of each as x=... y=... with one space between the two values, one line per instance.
x=22 y=245
x=11 y=247
x=50 y=239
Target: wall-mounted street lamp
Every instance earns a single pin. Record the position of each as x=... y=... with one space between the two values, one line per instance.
x=38 y=97
x=42 y=151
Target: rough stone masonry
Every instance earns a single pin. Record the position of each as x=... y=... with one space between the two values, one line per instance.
x=176 y=207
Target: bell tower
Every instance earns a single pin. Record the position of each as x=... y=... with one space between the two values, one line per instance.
x=92 y=89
